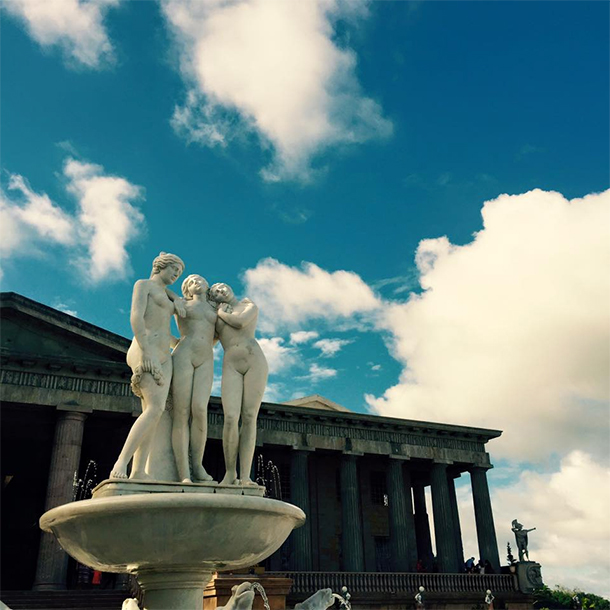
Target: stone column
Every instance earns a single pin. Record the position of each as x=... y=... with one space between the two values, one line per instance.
x=52 y=564
x=422 y=526
x=402 y=525
x=299 y=484
x=484 y=519
x=351 y=520
x=446 y=552
x=456 y=524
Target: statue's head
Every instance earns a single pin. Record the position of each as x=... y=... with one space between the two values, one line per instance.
x=192 y=285
x=170 y=263
x=516 y=525
x=221 y=293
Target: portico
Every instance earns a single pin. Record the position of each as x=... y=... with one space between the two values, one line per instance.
x=361 y=479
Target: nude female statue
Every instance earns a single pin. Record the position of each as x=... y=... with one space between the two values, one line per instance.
x=244 y=377
x=193 y=359
x=149 y=358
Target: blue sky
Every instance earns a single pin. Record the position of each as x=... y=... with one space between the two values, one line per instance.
x=306 y=159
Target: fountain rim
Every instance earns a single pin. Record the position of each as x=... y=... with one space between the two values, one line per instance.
x=170 y=500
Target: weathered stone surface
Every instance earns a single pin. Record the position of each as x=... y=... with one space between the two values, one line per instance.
x=486 y=531
x=353 y=552
x=52 y=560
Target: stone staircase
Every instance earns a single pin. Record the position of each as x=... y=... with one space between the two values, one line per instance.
x=67 y=600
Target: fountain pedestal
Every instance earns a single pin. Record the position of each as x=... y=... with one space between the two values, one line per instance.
x=173 y=541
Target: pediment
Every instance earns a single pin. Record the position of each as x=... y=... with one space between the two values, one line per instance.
x=315 y=401
x=31 y=328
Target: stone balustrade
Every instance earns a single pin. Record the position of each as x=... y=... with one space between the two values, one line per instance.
x=393 y=582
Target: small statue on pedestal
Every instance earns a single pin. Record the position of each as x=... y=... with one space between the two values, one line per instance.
x=419 y=599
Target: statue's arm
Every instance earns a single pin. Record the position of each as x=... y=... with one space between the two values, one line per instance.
x=179 y=307
x=239 y=320
x=531 y=530
x=139 y=303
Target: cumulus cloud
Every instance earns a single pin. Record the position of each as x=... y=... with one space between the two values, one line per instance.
x=331 y=347
x=279 y=356
x=96 y=232
x=106 y=215
x=318 y=373
x=289 y=295
x=303 y=336
x=75 y=26
x=28 y=217
x=274 y=69
x=511 y=331
x=568 y=508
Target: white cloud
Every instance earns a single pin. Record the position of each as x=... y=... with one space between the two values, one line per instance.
x=275 y=69
x=331 y=347
x=289 y=295
x=76 y=26
x=279 y=357
x=274 y=392
x=512 y=329
x=107 y=217
x=375 y=367
x=569 y=509
x=96 y=233
x=303 y=336
x=29 y=217
x=318 y=373
x=65 y=308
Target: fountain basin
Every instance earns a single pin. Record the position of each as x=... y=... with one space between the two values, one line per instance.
x=179 y=532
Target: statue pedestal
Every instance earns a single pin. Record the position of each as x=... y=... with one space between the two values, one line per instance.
x=218 y=591
x=127 y=487
x=529 y=576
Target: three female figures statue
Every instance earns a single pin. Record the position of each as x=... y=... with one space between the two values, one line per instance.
x=204 y=316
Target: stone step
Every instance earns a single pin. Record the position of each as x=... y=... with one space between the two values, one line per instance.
x=66 y=600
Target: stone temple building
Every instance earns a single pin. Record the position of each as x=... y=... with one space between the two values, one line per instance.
x=361 y=479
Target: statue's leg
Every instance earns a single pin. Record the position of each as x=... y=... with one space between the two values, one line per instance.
x=154 y=398
x=255 y=382
x=159 y=402
x=232 y=387
x=202 y=388
x=182 y=389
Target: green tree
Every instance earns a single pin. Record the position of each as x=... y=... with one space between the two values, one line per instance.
x=561 y=597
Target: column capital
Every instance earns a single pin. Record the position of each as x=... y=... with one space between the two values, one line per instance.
x=444 y=463
x=400 y=458
x=303 y=448
x=352 y=454
x=480 y=467
x=73 y=407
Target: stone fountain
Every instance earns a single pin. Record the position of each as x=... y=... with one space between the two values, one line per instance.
x=168 y=523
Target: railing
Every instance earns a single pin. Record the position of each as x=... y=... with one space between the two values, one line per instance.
x=393 y=582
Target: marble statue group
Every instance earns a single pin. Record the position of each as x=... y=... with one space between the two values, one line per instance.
x=162 y=364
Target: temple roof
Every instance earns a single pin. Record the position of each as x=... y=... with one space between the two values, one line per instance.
x=315 y=401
